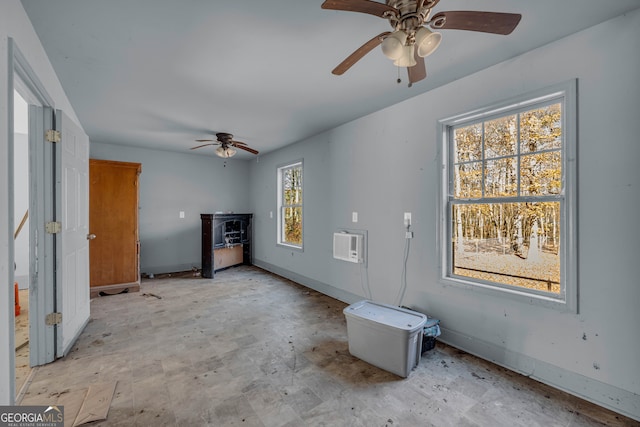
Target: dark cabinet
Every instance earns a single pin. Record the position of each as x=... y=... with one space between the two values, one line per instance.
x=226 y=241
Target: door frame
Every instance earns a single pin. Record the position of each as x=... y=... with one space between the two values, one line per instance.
x=22 y=78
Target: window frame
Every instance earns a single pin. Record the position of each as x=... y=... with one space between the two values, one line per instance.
x=281 y=206
x=567 y=300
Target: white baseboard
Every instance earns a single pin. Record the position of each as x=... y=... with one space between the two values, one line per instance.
x=168 y=269
x=23 y=281
x=333 y=292
x=605 y=395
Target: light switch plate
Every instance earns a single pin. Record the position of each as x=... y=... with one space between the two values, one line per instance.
x=354 y=217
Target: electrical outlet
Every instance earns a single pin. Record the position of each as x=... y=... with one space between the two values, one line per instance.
x=270 y=214
x=407 y=219
x=181 y=214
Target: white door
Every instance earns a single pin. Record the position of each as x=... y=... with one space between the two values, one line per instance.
x=72 y=246
x=42 y=260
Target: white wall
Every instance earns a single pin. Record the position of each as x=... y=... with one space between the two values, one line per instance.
x=387 y=163
x=21 y=188
x=21 y=204
x=171 y=183
x=15 y=24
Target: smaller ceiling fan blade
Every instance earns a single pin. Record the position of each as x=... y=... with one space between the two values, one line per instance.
x=364 y=6
x=486 y=22
x=359 y=53
x=238 y=142
x=417 y=72
x=203 y=145
x=251 y=150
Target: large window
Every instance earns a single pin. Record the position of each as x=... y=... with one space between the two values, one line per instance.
x=290 y=205
x=509 y=196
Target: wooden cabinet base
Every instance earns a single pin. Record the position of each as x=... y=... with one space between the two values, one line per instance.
x=121 y=288
x=227 y=257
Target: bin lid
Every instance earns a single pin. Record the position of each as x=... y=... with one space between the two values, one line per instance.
x=396 y=317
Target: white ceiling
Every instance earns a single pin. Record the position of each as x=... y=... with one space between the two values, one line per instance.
x=162 y=73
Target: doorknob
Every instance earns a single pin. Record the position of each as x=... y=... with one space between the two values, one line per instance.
x=91 y=236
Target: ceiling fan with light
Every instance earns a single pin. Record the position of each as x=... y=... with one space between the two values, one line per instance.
x=411 y=41
x=227 y=146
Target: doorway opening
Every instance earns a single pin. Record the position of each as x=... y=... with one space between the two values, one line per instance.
x=30 y=202
x=21 y=240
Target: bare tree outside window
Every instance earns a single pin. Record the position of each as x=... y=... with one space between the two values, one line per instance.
x=290 y=195
x=506 y=197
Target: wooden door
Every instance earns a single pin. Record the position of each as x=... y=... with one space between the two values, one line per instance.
x=113 y=219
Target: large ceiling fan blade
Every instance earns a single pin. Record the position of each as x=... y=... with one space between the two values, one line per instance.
x=364 y=6
x=417 y=72
x=204 y=145
x=359 y=53
x=486 y=22
x=251 y=150
x=204 y=140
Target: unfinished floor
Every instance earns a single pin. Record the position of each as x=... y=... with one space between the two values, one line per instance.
x=250 y=348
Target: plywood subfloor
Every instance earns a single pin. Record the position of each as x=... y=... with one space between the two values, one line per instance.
x=249 y=348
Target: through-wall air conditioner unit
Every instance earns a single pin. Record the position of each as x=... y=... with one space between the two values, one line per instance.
x=348 y=247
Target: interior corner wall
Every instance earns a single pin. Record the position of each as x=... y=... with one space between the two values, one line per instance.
x=173 y=182
x=387 y=163
x=15 y=24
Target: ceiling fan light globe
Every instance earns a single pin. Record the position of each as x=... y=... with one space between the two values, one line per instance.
x=427 y=41
x=225 y=152
x=392 y=46
x=407 y=59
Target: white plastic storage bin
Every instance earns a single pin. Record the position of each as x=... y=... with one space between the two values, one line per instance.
x=386 y=336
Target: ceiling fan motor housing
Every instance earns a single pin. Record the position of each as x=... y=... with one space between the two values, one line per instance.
x=224 y=137
x=412 y=14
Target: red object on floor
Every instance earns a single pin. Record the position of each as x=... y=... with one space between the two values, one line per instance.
x=17 y=299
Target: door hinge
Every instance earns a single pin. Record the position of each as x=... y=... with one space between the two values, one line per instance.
x=53 y=227
x=52 y=135
x=53 y=319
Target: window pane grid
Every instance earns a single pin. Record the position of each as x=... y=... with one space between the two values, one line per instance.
x=291 y=205
x=464 y=174
x=504 y=199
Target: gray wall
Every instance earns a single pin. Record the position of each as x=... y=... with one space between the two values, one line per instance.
x=387 y=163
x=171 y=183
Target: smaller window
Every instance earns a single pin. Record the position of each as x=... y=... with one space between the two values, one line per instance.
x=290 y=205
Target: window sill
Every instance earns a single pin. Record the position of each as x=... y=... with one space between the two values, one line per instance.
x=292 y=247
x=548 y=301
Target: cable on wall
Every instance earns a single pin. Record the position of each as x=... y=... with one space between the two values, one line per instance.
x=403 y=277
x=364 y=282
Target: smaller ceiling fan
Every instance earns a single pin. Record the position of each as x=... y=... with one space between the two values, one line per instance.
x=411 y=41
x=227 y=146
